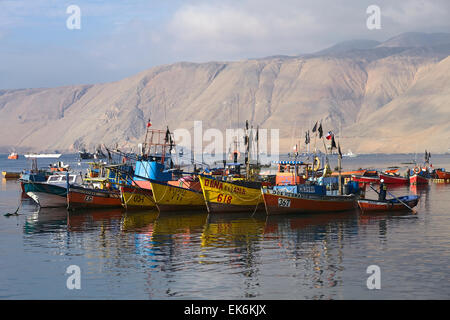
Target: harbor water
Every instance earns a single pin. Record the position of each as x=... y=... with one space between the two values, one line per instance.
x=147 y=255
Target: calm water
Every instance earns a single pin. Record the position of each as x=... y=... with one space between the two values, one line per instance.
x=146 y=255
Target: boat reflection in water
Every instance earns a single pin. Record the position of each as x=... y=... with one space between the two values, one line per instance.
x=185 y=254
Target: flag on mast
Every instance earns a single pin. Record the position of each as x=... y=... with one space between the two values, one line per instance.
x=320 y=131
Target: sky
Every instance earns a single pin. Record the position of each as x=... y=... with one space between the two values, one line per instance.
x=119 y=38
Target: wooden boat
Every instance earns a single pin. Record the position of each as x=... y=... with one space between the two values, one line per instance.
x=11 y=175
x=134 y=197
x=83 y=197
x=173 y=198
x=367 y=205
x=418 y=179
x=231 y=196
x=281 y=202
x=13 y=156
x=393 y=179
x=49 y=194
x=442 y=174
x=366 y=179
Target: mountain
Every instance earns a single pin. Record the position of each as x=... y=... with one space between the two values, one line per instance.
x=377 y=97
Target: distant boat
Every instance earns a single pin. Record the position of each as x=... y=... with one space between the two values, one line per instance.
x=85 y=154
x=442 y=174
x=43 y=155
x=13 y=156
x=350 y=154
x=10 y=175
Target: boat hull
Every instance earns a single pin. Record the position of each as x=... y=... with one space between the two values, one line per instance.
x=443 y=174
x=367 y=205
x=364 y=179
x=228 y=197
x=418 y=180
x=172 y=198
x=11 y=175
x=137 y=198
x=389 y=179
x=80 y=197
x=279 y=202
x=46 y=195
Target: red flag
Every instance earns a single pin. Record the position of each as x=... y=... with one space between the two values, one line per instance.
x=149 y=124
x=329 y=135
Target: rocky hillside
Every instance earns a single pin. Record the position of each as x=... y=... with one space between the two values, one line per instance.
x=377 y=97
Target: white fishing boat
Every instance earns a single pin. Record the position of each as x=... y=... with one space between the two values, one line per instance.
x=42 y=155
x=350 y=154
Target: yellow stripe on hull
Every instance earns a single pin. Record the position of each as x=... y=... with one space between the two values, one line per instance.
x=172 y=198
x=137 y=198
x=223 y=196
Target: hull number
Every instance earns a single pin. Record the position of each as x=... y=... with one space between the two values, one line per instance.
x=286 y=203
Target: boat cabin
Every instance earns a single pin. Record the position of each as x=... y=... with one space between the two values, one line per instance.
x=288 y=172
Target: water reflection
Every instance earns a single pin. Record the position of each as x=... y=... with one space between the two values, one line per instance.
x=309 y=248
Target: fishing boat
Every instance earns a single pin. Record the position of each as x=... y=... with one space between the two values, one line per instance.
x=174 y=198
x=366 y=179
x=101 y=191
x=79 y=197
x=418 y=179
x=350 y=154
x=367 y=205
x=135 y=197
x=231 y=196
x=305 y=199
x=84 y=154
x=42 y=155
x=13 y=156
x=155 y=159
x=442 y=174
x=34 y=174
x=393 y=179
x=10 y=175
x=52 y=193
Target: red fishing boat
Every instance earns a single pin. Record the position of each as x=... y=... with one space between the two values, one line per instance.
x=442 y=174
x=13 y=156
x=367 y=205
x=418 y=179
x=393 y=179
x=280 y=202
x=83 y=197
x=366 y=179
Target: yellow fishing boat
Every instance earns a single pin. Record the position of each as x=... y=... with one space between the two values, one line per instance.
x=11 y=175
x=172 y=198
x=135 y=197
x=231 y=196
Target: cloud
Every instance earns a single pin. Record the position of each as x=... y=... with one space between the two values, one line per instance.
x=121 y=38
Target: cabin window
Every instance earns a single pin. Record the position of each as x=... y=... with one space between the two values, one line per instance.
x=53 y=179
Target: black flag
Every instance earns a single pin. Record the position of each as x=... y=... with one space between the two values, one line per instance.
x=307 y=140
x=339 y=150
x=314 y=128
x=320 y=131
